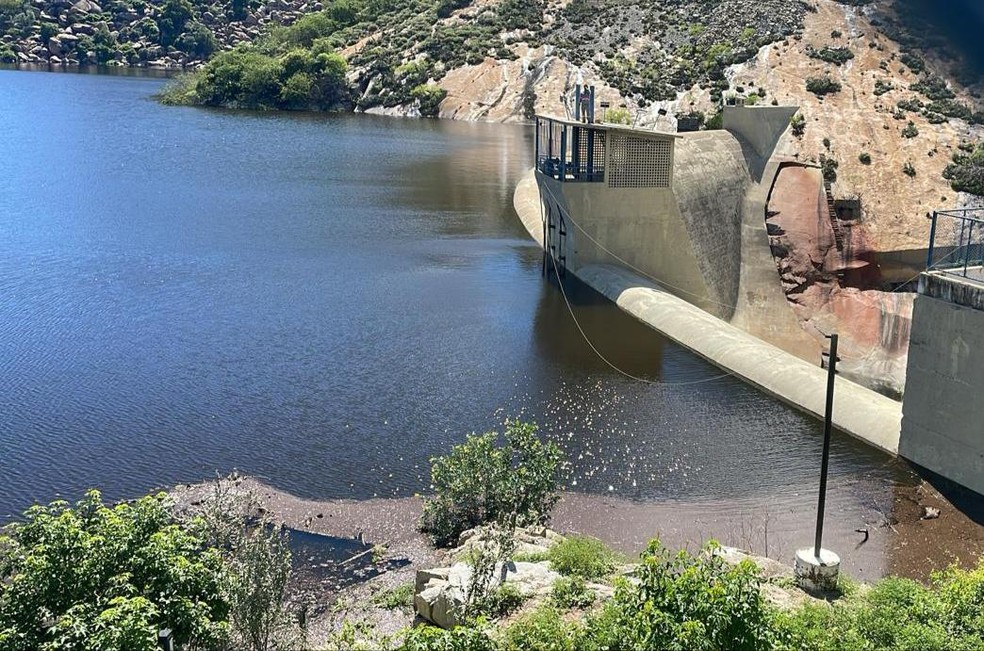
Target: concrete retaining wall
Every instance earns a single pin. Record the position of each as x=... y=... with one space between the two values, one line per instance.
x=943 y=414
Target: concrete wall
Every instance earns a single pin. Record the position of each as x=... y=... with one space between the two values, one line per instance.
x=759 y=126
x=688 y=237
x=943 y=411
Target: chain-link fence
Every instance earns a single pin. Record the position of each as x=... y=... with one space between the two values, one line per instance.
x=957 y=243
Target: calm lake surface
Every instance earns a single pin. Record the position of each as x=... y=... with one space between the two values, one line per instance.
x=326 y=301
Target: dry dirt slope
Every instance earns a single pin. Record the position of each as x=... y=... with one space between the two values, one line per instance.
x=853 y=121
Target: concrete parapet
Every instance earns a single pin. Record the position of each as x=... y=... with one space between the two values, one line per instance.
x=943 y=411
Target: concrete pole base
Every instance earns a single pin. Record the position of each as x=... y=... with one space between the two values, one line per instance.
x=816 y=574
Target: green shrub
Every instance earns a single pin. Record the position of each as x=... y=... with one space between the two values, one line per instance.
x=685 y=602
x=572 y=592
x=966 y=172
x=429 y=98
x=821 y=86
x=865 y=158
x=909 y=170
x=582 y=556
x=179 y=90
x=798 y=123
x=104 y=577
x=933 y=88
x=172 y=19
x=482 y=482
x=544 y=629
x=882 y=87
x=430 y=638
x=835 y=55
x=197 y=40
x=910 y=130
x=618 y=115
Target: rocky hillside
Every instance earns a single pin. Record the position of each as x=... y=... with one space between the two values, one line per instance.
x=889 y=89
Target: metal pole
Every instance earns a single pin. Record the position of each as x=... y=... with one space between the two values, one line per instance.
x=827 y=423
x=932 y=242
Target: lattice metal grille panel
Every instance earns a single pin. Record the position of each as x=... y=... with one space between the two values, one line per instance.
x=639 y=162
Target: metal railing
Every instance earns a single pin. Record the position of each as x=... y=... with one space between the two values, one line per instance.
x=956 y=243
x=570 y=153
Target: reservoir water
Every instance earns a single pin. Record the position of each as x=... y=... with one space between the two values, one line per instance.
x=326 y=301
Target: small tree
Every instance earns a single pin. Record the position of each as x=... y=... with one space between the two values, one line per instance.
x=480 y=482
x=104 y=577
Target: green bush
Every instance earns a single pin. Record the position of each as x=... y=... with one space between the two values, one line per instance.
x=798 y=123
x=966 y=172
x=835 y=55
x=197 y=40
x=582 y=556
x=104 y=577
x=909 y=170
x=821 y=86
x=544 y=629
x=514 y=484
x=171 y=22
x=429 y=98
x=572 y=592
x=462 y=638
x=618 y=115
x=684 y=602
x=394 y=598
x=910 y=130
x=865 y=158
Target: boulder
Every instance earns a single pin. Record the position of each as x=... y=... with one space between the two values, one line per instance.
x=86 y=7
x=54 y=46
x=440 y=593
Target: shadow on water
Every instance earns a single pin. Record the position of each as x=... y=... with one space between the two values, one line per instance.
x=628 y=344
x=327 y=564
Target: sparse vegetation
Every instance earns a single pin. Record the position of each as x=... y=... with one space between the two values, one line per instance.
x=836 y=55
x=864 y=158
x=908 y=169
x=798 y=123
x=910 y=130
x=821 y=86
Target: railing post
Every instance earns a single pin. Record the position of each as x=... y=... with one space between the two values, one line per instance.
x=932 y=243
x=536 y=142
x=563 y=153
x=970 y=238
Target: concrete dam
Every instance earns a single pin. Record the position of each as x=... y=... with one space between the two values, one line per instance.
x=672 y=227
x=689 y=233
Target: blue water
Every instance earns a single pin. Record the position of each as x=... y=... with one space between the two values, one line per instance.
x=326 y=302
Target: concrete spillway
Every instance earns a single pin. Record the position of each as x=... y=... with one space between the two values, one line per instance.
x=687 y=252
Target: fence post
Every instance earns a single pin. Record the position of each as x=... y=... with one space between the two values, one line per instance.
x=932 y=243
x=165 y=640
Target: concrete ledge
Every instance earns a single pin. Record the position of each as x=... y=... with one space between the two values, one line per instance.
x=953 y=289
x=859 y=412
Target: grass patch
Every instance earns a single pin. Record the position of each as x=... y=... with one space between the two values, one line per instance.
x=584 y=557
x=394 y=598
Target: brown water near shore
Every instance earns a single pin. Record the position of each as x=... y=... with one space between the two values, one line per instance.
x=898 y=541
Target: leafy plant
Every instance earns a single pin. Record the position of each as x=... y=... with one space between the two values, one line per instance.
x=798 y=123
x=966 y=172
x=544 y=629
x=908 y=169
x=104 y=577
x=429 y=98
x=821 y=86
x=582 y=556
x=835 y=55
x=685 y=602
x=910 y=130
x=572 y=592
x=865 y=158
x=514 y=484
